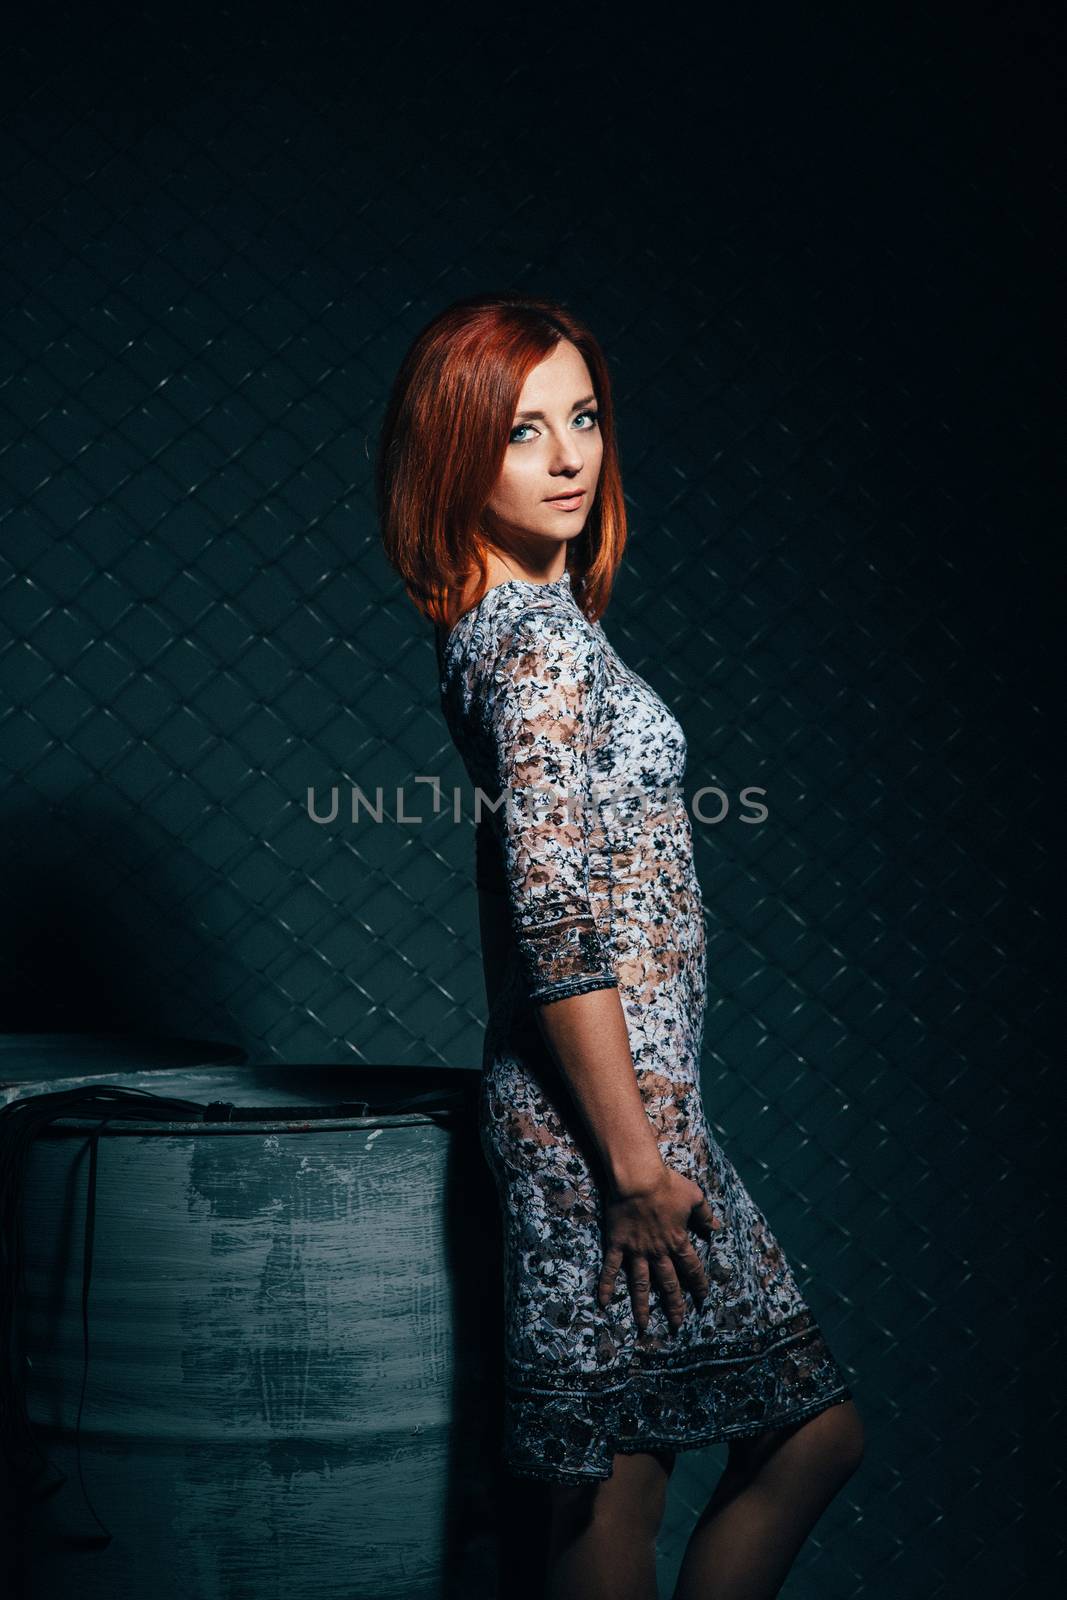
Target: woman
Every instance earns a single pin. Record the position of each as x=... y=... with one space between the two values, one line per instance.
x=649 y=1308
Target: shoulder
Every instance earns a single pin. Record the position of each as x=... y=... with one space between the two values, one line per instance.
x=546 y=662
x=522 y=639
x=542 y=635
x=548 y=620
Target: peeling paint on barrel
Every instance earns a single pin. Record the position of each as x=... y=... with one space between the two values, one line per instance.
x=270 y=1402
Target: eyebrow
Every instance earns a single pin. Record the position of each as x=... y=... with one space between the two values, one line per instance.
x=539 y=416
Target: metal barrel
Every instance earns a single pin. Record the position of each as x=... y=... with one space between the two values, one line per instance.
x=289 y=1387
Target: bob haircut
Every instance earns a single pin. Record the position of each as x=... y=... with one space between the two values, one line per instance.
x=443 y=441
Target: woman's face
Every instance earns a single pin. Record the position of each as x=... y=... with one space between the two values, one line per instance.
x=554 y=448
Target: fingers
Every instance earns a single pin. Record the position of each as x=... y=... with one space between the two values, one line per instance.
x=670 y=1291
x=640 y=1270
x=638 y=1275
x=703 y=1220
x=668 y=1287
x=673 y=1261
x=608 y=1275
x=692 y=1271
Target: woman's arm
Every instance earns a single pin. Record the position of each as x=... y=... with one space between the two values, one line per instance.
x=649 y=1208
x=588 y=1038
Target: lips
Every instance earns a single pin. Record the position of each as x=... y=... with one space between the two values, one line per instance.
x=575 y=494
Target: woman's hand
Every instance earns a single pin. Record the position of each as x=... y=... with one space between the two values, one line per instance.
x=649 y=1229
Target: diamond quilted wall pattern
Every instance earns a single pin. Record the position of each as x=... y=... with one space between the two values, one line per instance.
x=816 y=252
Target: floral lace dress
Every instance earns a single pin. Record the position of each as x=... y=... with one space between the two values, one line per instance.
x=601 y=892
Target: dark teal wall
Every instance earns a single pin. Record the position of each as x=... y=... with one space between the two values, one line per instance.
x=817 y=253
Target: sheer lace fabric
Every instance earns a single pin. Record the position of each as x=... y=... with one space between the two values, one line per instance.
x=587 y=837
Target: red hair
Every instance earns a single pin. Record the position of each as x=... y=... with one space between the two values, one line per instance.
x=443 y=442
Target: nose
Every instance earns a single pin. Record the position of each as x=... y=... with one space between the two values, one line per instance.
x=567 y=458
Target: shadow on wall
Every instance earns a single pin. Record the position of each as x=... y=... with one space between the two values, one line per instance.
x=95 y=930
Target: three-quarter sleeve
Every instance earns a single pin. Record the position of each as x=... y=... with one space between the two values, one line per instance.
x=539 y=710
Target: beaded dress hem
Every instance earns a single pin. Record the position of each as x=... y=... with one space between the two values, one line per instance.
x=705 y=1396
x=656 y=1442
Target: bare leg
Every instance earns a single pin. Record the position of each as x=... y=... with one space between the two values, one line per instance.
x=603 y=1540
x=773 y=1491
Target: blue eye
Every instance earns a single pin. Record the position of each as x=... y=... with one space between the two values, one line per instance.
x=521 y=425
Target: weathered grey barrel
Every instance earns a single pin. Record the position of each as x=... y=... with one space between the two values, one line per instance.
x=292 y=1319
